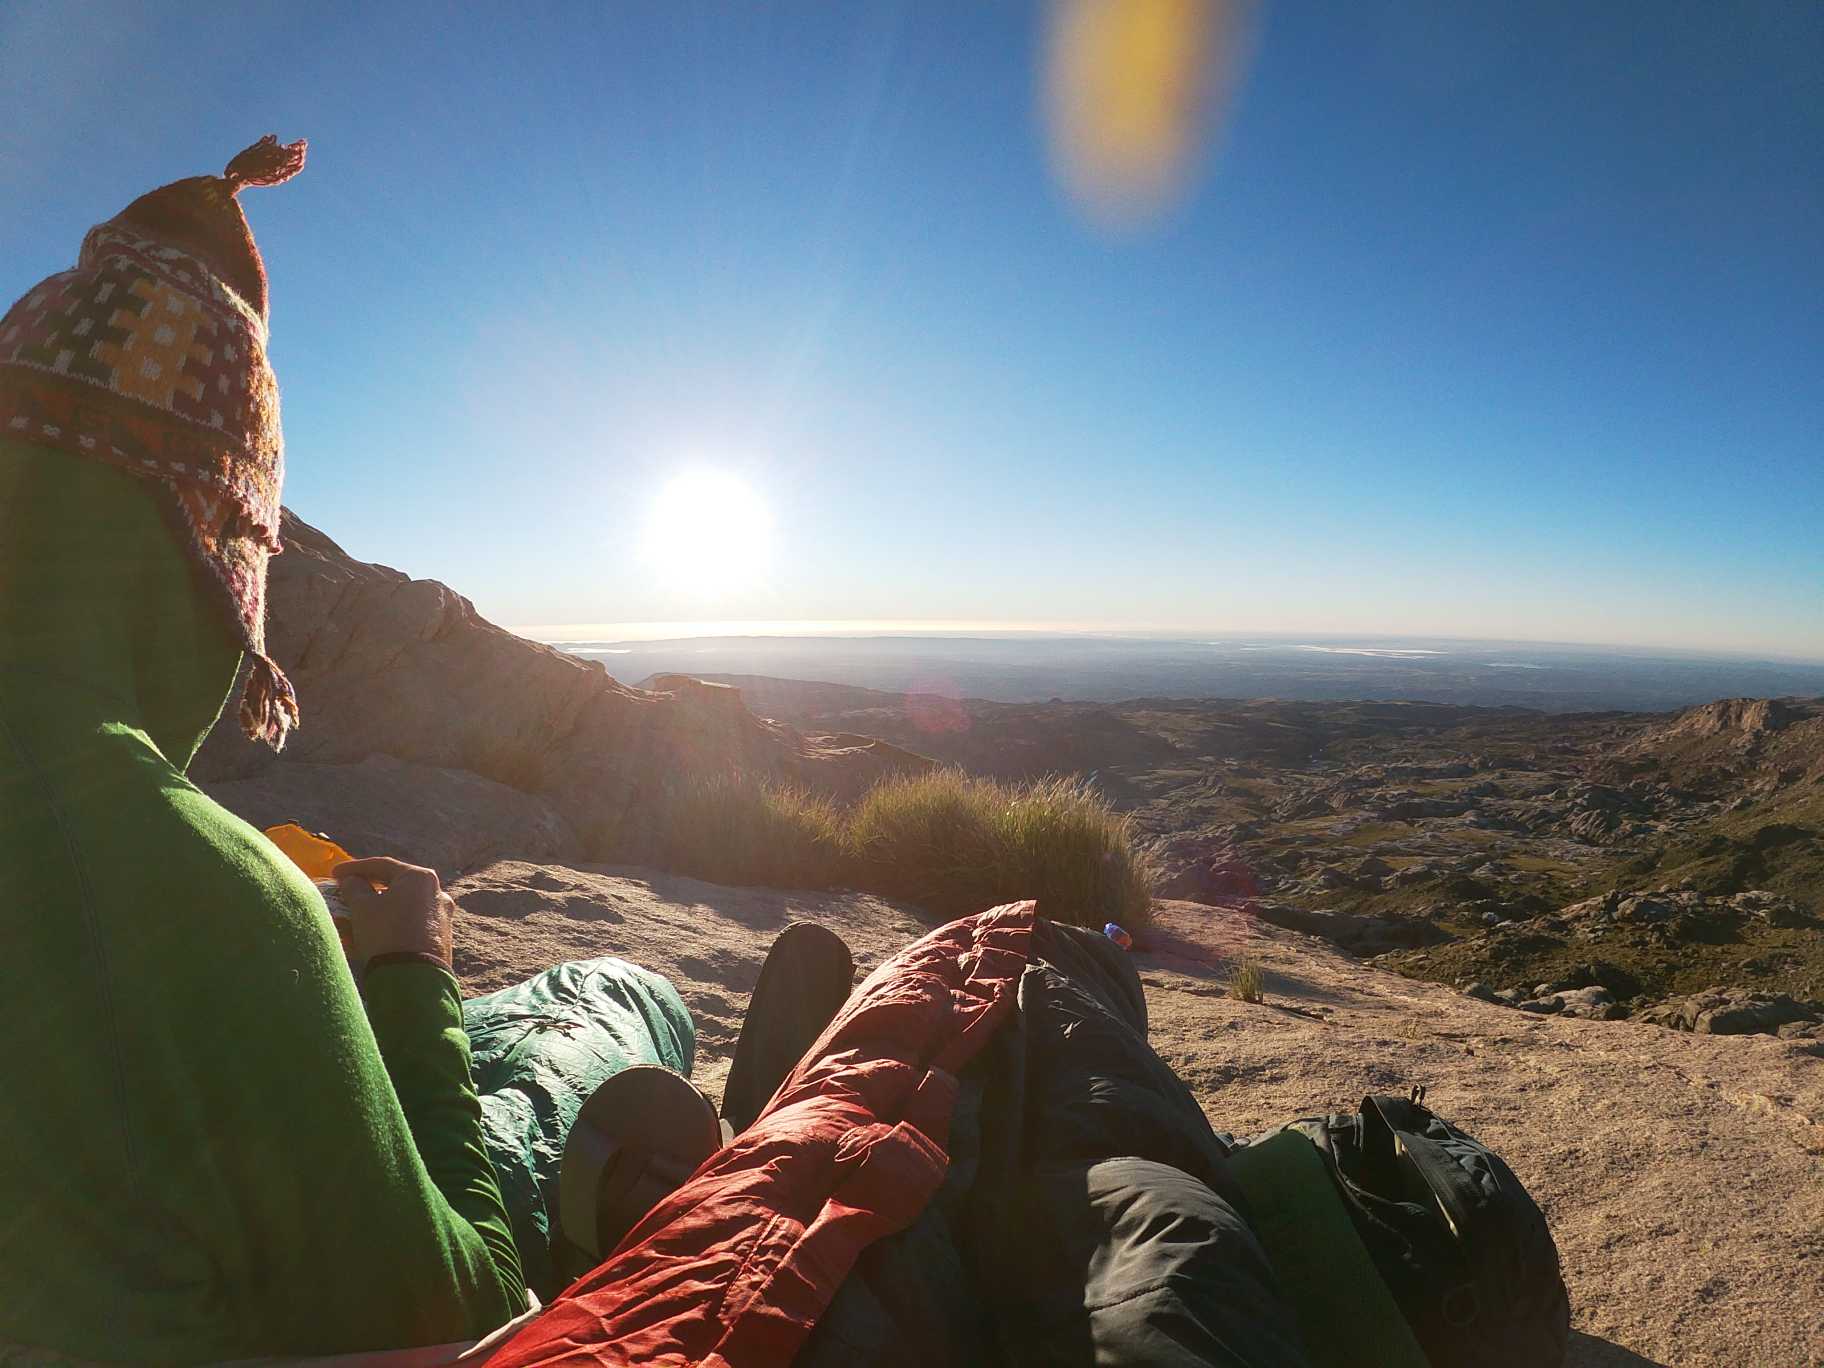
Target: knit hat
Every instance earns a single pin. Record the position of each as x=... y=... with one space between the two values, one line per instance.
x=151 y=356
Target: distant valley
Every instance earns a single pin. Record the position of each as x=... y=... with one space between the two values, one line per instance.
x=1034 y=668
x=1647 y=855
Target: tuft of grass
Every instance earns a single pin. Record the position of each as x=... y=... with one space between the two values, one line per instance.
x=948 y=842
x=1078 y=857
x=1247 y=981
x=957 y=844
x=934 y=839
x=732 y=829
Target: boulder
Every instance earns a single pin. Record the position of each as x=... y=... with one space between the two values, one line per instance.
x=1770 y=908
x=1592 y=1004
x=1594 y=826
x=1653 y=909
x=1733 y=1011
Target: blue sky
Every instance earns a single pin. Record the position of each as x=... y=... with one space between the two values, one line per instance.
x=1495 y=320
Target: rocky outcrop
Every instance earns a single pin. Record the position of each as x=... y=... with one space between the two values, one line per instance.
x=1744 y=717
x=1732 y=1011
x=391 y=667
x=1677 y=915
x=1594 y=1003
x=1732 y=748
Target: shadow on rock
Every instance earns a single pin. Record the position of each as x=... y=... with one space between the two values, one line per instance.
x=1589 y=1351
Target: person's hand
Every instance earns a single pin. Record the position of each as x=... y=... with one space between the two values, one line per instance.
x=397 y=908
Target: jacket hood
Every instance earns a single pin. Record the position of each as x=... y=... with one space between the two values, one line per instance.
x=102 y=622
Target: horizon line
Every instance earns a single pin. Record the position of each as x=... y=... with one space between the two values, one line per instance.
x=622 y=633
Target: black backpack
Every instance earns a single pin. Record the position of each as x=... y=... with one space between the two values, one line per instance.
x=1462 y=1247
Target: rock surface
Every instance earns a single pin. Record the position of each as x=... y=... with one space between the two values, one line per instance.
x=1729 y=1011
x=1683 y=1175
x=448 y=819
x=1592 y=1004
x=1742 y=717
x=518 y=918
x=389 y=666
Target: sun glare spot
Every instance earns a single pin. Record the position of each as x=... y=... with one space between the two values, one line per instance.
x=708 y=533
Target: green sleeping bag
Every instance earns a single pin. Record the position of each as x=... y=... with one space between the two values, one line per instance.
x=539 y=1049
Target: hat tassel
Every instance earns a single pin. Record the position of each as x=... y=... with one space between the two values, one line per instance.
x=267 y=162
x=269 y=705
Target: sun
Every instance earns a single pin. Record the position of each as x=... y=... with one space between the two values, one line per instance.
x=708 y=533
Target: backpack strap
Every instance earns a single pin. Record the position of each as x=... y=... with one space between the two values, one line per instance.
x=1433 y=1178
x=1345 y=1312
x=1385 y=1114
x=1466 y=1211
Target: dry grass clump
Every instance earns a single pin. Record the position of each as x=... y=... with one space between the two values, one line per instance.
x=734 y=830
x=1081 y=859
x=948 y=842
x=956 y=844
x=1414 y=1028
x=934 y=839
x=1247 y=982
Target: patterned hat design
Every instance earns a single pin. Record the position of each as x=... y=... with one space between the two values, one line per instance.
x=151 y=356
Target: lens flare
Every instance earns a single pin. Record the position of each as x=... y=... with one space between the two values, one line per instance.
x=1133 y=90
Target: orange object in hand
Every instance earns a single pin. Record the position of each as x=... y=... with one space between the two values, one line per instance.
x=317 y=856
x=311 y=852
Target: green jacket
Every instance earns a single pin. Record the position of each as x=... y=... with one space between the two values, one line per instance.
x=208 y=1149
